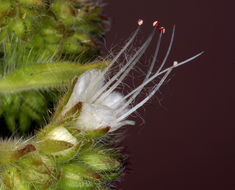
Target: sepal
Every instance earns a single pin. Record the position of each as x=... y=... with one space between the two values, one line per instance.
x=49 y=146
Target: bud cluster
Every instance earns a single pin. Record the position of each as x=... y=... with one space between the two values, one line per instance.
x=37 y=32
x=63 y=27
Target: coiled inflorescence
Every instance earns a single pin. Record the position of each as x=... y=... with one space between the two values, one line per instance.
x=70 y=152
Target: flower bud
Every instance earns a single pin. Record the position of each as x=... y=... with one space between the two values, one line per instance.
x=71 y=45
x=13 y=180
x=99 y=160
x=77 y=176
x=5 y=6
x=64 y=11
x=49 y=31
x=18 y=28
x=11 y=151
x=31 y=3
x=37 y=169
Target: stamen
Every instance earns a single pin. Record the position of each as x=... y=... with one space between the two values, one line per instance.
x=125 y=47
x=157 y=73
x=125 y=69
x=160 y=73
x=168 y=51
x=113 y=61
x=132 y=98
x=145 y=99
x=185 y=61
x=162 y=30
x=168 y=70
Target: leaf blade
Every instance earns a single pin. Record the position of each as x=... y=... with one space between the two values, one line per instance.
x=43 y=76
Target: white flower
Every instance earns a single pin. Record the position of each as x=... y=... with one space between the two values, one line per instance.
x=102 y=105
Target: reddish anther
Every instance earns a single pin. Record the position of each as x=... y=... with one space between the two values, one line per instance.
x=162 y=30
x=156 y=24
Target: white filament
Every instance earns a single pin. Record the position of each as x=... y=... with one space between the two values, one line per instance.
x=115 y=59
x=146 y=99
x=131 y=62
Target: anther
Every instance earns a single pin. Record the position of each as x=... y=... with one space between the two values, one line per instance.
x=175 y=63
x=162 y=30
x=140 y=22
x=156 y=24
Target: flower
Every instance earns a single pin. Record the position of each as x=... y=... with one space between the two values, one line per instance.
x=100 y=113
x=102 y=105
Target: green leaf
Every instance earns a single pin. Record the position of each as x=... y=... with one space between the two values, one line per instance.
x=42 y=76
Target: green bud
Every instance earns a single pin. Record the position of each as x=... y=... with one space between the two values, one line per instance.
x=12 y=179
x=49 y=31
x=79 y=43
x=36 y=169
x=72 y=46
x=5 y=6
x=37 y=41
x=83 y=38
x=18 y=28
x=31 y=3
x=9 y=153
x=64 y=11
x=76 y=176
x=100 y=161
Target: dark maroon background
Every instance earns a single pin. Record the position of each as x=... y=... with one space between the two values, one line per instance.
x=188 y=139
